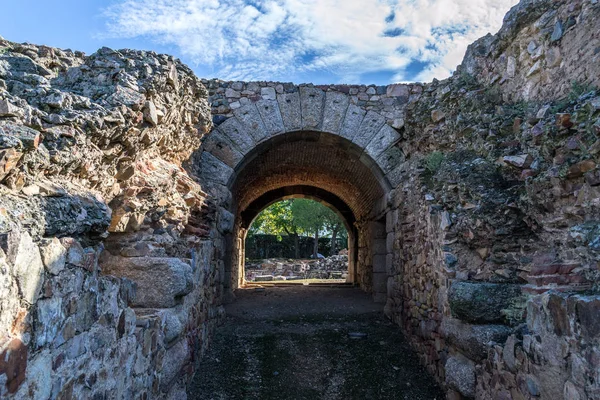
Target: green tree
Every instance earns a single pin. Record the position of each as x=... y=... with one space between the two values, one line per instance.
x=299 y=217
x=314 y=217
x=278 y=219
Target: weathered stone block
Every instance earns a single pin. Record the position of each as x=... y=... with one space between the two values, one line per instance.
x=225 y=221
x=174 y=360
x=289 y=105
x=369 y=126
x=383 y=139
x=160 y=281
x=390 y=159
x=271 y=116
x=54 y=255
x=482 y=302
x=234 y=130
x=474 y=340
x=336 y=104
x=24 y=257
x=311 y=101
x=222 y=148
x=250 y=119
x=8 y=160
x=215 y=170
x=49 y=320
x=352 y=120
x=13 y=363
x=460 y=375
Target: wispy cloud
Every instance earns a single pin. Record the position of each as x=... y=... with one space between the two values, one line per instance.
x=287 y=39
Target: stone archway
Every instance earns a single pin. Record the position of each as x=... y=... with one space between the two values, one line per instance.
x=300 y=141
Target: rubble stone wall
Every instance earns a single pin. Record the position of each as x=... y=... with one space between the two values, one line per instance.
x=109 y=255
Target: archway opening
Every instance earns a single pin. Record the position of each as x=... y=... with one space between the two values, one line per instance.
x=320 y=166
x=300 y=239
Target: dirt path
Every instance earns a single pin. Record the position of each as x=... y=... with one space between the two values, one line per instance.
x=310 y=343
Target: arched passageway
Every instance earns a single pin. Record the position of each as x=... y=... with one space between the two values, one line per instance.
x=322 y=166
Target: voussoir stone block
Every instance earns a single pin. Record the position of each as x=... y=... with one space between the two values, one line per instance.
x=214 y=170
x=250 y=119
x=382 y=140
x=352 y=120
x=289 y=105
x=159 y=280
x=390 y=159
x=271 y=116
x=370 y=125
x=220 y=146
x=311 y=100
x=237 y=134
x=336 y=104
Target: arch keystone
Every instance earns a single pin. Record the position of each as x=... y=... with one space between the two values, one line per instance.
x=289 y=106
x=336 y=104
x=311 y=102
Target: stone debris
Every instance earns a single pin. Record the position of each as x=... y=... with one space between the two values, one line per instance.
x=333 y=267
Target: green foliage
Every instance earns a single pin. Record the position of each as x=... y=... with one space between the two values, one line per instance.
x=277 y=219
x=313 y=216
x=433 y=161
x=298 y=216
x=578 y=89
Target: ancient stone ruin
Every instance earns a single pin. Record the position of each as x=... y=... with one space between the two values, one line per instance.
x=472 y=206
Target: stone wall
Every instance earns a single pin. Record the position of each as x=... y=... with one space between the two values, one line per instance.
x=109 y=252
x=495 y=273
x=538 y=52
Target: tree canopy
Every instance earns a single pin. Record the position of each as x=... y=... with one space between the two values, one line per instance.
x=298 y=217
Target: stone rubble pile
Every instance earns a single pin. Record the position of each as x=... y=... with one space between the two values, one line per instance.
x=333 y=267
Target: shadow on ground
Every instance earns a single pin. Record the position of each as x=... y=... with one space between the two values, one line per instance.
x=310 y=343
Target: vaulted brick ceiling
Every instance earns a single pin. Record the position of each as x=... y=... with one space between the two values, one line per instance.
x=322 y=160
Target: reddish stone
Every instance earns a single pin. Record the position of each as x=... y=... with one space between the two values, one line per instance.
x=580 y=168
x=13 y=364
x=567 y=268
x=546 y=269
x=564 y=120
x=526 y=173
x=8 y=160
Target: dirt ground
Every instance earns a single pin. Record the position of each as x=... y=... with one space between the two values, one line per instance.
x=310 y=343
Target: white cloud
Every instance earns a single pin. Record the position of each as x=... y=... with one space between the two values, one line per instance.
x=286 y=39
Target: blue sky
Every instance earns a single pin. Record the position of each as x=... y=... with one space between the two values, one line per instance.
x=319 y=41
